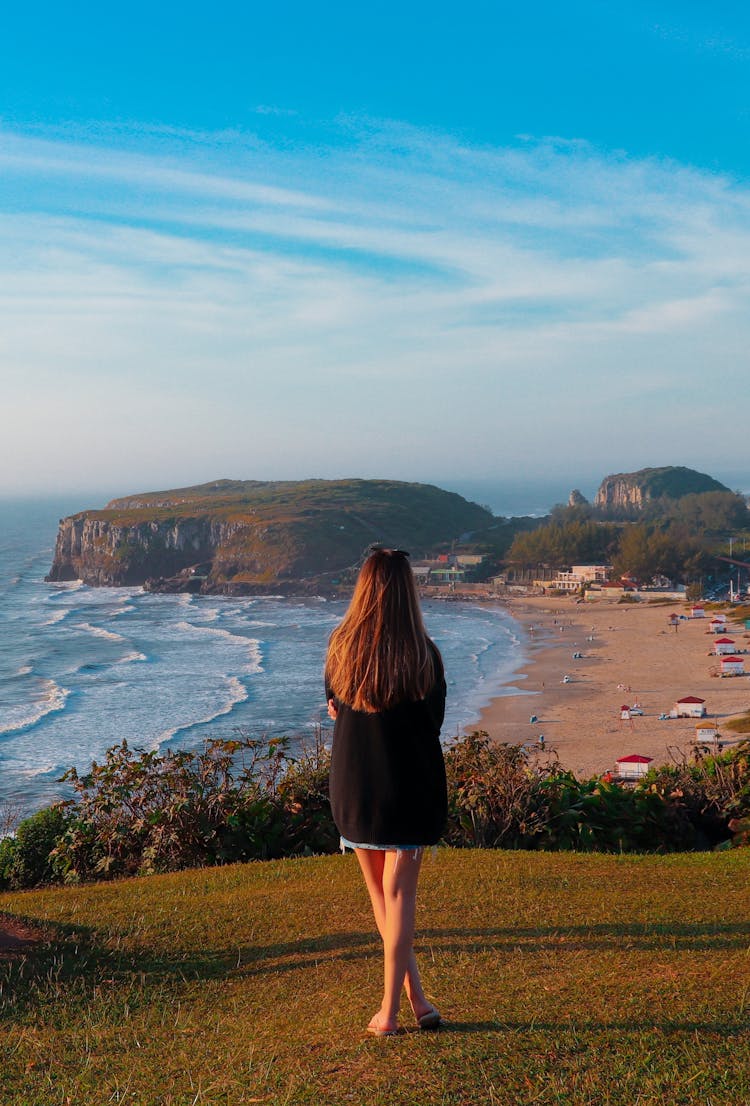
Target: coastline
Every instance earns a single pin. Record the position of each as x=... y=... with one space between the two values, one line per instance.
x=624 y=647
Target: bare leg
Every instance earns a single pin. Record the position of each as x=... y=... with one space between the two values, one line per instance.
x=391 y=881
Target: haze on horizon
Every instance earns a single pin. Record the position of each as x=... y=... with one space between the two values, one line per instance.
x=512 y=247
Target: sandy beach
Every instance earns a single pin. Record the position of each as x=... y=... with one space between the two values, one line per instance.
x=630 y=655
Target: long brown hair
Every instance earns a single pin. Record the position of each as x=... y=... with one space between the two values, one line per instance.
x=380 y=654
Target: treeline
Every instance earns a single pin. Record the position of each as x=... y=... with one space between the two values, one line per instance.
x=673 y=538
x=144 y=812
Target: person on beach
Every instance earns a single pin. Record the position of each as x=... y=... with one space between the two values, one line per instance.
x=385 y=687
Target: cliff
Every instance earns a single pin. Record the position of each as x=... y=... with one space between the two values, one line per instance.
x=254 y=536
x=632 y=491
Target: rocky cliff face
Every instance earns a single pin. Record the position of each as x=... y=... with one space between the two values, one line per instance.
x=631 y=491
x=619 y=493
x=235 y=536
x=102 y=552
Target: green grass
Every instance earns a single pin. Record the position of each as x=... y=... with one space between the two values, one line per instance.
x=566 y=978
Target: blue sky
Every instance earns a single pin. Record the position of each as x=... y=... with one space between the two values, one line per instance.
x=417 y=241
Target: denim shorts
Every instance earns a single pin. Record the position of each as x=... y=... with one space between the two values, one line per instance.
x=347 y=844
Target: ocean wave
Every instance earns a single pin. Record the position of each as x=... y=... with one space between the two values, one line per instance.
x=99 y=631
x=126 y=608
x=50 y=698
x=56 y=617
x=43 y=770
x=25 y=670
x=129 y=658
x=252 y=645
x=238 y=693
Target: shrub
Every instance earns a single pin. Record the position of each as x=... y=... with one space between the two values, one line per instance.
x=712 y=791
x=141 y=812
x=25 y=860
x=495 y=797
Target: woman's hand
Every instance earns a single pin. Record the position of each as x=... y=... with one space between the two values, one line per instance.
x=332 y=709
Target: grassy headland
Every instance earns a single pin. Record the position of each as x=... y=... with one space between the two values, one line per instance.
x=566 y=978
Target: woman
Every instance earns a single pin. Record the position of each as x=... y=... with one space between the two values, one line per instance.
x=386 y=690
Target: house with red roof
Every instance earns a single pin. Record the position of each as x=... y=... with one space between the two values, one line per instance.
x=689 y=707
x=732 y=666
x=632 y=767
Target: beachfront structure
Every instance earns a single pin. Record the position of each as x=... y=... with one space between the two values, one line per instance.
x=732 y=666
x=591 y=573
x=469 y=560
x=705 y=732
x=632 y=767
x=689 y=707
x=723 y=646
x=718 y=624
x=697 y=611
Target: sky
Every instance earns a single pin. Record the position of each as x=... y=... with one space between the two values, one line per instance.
x=416 y=241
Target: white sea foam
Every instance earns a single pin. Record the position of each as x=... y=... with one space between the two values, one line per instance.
x=252 y=645
x=56 y=617
x=129 y=658
x=237 y=693
x=99 y=631
x=25 y=670
x=44 y=770
x=48 y=698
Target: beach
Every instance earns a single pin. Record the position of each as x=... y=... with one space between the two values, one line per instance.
x=630 y=655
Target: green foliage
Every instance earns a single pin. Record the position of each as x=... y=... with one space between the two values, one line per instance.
x=561 y=544
x=500 y=798
x=142 y=812
x=711 y=791
x=25 y=858
x=495 y=797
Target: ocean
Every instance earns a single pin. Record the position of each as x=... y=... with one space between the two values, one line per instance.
x=83 y=668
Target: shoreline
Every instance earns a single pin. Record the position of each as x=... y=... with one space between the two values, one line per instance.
x=630 y=655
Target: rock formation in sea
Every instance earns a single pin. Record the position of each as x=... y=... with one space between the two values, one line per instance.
x=631 y=491
x=239 y=537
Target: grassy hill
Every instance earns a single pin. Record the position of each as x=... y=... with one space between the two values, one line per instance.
x=258 y=534
x=581 y=980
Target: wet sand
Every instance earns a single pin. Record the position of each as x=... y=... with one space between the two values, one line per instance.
x=630 y=655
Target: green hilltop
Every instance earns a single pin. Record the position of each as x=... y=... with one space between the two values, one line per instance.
x=258 y=535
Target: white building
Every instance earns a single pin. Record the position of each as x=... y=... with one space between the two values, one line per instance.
x=723 y=646
x=732 y=666
x=689 y=707
x=632 y=767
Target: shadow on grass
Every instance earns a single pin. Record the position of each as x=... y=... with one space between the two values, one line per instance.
x=72 y=963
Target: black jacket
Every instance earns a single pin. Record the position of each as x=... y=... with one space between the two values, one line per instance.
x=387 y=782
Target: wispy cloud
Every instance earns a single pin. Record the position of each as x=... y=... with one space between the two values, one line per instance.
x=393 y=283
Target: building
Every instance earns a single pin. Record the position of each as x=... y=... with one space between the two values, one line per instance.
x=723 y=646
x=697 y=611
x=706 y=732
x=633 y=767
x=689 y=707
x=591 y=573
x=732 y=666
x=718 y=624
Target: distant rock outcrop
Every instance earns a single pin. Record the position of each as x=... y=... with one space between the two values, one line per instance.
x=254 y=537
x=631 y=491
x=577 y=499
